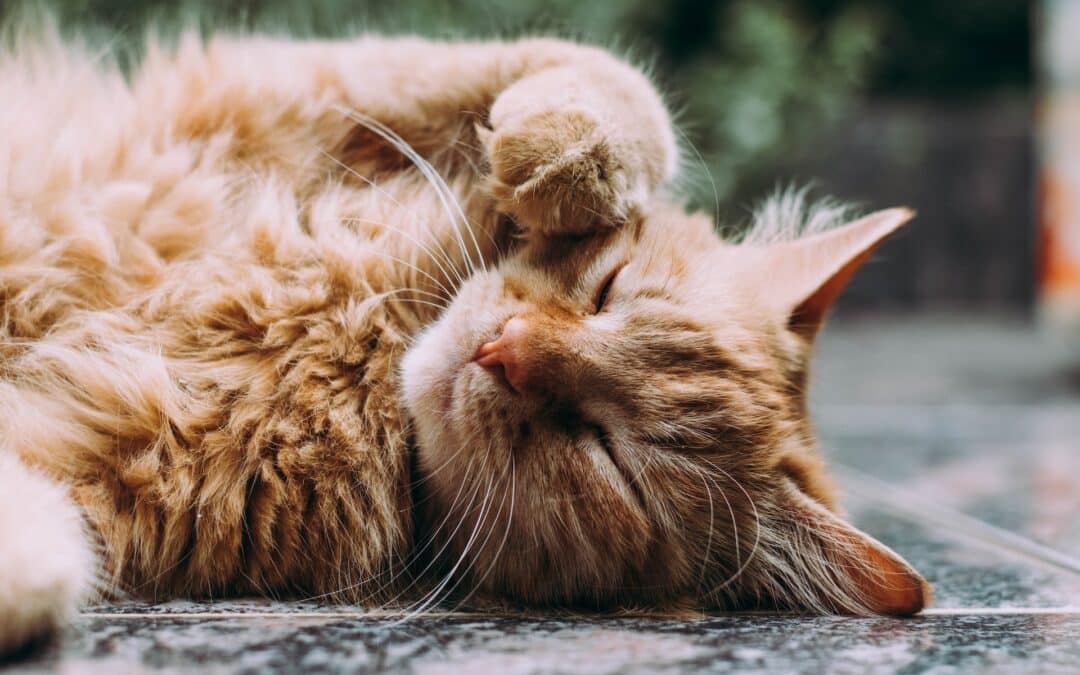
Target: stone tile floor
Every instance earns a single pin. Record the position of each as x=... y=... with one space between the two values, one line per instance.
x=958 y=443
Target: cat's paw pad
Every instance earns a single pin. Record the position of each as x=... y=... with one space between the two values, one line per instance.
x=560 y=173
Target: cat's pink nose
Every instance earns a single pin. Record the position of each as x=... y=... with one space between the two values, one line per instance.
x=505 y=354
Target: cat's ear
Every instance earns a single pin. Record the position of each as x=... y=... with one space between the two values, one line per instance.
x=806 y=276
x=842 y=568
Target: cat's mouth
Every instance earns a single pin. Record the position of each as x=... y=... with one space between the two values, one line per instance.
x=497 y=372
x=471 y=380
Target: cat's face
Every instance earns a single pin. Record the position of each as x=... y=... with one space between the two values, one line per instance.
x=618 y=420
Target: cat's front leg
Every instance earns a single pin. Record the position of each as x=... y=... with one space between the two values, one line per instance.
x=47 y=564
x=579 y=146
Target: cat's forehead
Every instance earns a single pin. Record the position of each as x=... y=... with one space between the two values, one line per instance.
x=657 y=241
x=674 y=272
x=569 y=258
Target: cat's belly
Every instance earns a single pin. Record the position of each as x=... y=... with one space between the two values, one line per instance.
x=246 y=439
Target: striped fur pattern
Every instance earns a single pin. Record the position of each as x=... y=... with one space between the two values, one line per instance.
x=241 y=292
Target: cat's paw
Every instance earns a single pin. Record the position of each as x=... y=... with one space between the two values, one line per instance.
x=46 y=563
x=562 y=172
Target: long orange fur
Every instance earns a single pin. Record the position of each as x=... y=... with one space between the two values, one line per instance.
x=241 y=291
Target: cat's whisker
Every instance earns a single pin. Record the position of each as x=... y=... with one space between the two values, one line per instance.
x=490 y=532
x=433 y=596
x=361 y=177
x=639 y=476
x=449 y=295
x=375 y=186
x=453 y=208
x=425 y=168
x=509 y=523
x=419 y=291
x=481 y=519
x=712 y=523
x=455 y=576
x=477 y=150
x=450 y=460
x=418 y=301
x=704 y=165
x=420 y=548
x=468 y=151
x=438 y=469
x=415 y=553
x=431 y=254
x=734 y=520
x=757 y=527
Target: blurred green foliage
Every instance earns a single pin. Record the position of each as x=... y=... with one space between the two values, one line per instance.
x=755 y=81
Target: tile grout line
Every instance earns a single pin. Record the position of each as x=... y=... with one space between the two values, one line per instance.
x=1069 y=610
x=891 y=409
x=1000 y=611
x=907 y=503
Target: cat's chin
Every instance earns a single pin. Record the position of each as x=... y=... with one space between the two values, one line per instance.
x=429 y=381
x=428 y=386
x=439 y=377
x=440 y=383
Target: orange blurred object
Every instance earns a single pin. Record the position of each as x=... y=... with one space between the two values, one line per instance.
x=1059 y=146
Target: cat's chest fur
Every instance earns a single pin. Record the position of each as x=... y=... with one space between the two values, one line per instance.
x=215 y=318
x=221 y=394
x=277 y=457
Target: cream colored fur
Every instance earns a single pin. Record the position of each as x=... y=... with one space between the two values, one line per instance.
x=46 y=562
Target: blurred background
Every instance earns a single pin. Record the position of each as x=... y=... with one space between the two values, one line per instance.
x=882 y=102
x=947 y=393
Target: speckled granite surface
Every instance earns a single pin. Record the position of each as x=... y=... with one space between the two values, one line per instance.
x=461 y=644
x=958 y=442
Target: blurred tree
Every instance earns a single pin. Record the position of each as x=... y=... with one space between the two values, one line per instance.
x=755 y=81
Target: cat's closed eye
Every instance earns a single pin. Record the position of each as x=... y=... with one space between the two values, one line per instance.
x=604 y=292
x=600 y=435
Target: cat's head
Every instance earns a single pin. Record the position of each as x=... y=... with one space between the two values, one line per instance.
x=620 y=420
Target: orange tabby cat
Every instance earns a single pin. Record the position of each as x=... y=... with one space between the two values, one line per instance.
x=251 y=342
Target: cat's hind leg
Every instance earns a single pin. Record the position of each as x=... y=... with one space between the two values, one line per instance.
x=47 y=563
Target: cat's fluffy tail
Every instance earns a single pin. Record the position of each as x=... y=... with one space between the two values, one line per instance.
x=47 y=563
